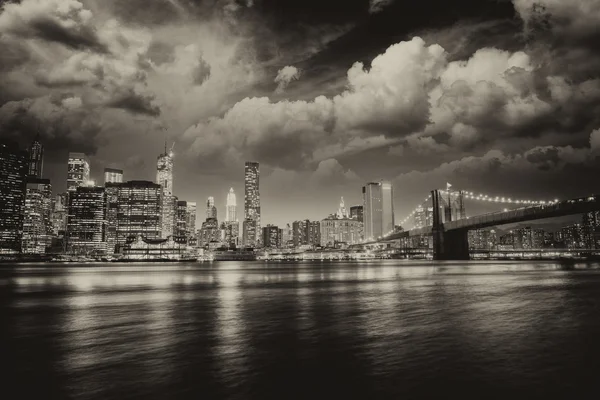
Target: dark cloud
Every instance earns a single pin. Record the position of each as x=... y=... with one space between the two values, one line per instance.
x=136 y=103
x=201 y=72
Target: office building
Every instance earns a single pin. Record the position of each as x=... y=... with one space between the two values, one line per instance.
x=231 y=207
x=112 y=209
x=251 y=204
x=356 y=212
x=211 y=209
x=86 y=221
x=209 y=233
x=37 y=222
x=340 y=232
x=191 y=213
x=306 y=233
x=59 y=214
x=271 y=237
x=164 y=177
x=113 y=175
x=185 y=222
x=138 y=211
x=78 y=171
x=378 y=203
x=230 y=232
x=36 y=159
x=13 y=171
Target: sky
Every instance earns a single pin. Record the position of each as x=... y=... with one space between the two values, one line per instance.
x=493 y=96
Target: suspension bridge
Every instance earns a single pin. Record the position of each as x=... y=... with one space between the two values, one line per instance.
x=448 y=225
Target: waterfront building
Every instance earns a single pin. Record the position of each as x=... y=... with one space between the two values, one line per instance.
x=13 y=171
x=573 y=236
x=164 y=177
x=336 y=231
x=78 y=171
x=86 y=221
x=252 y=212
x=139 y=211
x=482 y=239
x=591 y=229
x=112 y=212
x=356 y=212
x=230 y=232
x=271 y=237
x=113 y=175
x=378 y=203
x=139 y=249
x=306 y=233
x=37 y=222
x=36 y=159
x=231 y=207
x=287 y=239
x=211 y=209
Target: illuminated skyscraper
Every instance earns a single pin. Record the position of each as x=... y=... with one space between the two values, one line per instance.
x=191 y=207
x=86 y=221
x=138 y=211
x=231 y=210
x=78 y=172
x=36 y=158
x=112 y=175
x=378 y=198
x=164 y=177
x=211 y=209
x=252 y=229
x=13 y=169
x=37 y=225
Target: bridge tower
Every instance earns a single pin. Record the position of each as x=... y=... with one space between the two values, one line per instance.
x=452 y=245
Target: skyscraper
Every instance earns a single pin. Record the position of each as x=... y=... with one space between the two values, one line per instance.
x=342 y=212
x=59 y=214
x=378 y=203
x=86 y=221
x=78 y=172
x=211 y=209
x=113 y=175
x=13 y=169
x=356 y=212
x=36 y=158
x=138 y=211
x=231 y=207
x=271 y=236
x=251 y=204
x=191 y=207
x=164 y=177
x=185 y=226
x=37 y=224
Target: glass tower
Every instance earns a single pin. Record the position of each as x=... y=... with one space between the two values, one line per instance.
x=378 y=209
x=251 y=205
x=164 y=177
x=13 y=170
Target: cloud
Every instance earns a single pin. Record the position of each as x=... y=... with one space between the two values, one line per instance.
x=201 y=72
x=376 y=6
x=136 y=103
x=62 y=21
x=285 y=76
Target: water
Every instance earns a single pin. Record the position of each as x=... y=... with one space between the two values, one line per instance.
x=382 y=329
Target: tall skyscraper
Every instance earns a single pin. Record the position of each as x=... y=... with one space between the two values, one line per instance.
x=36 y=158
x=191 y=211
x=251 y=204
x=164 y=177
x=86 y=221
x=37 y=223
x=138 y=211
x=378 y=203
x=13 y=170
x=211 y=209
x=78 y=172
x=112 y=209
x=231 y=210
x=113 y=175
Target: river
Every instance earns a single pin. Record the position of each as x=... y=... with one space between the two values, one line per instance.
x=386 y=329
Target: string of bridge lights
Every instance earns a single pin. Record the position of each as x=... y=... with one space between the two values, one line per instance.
x=482 y=198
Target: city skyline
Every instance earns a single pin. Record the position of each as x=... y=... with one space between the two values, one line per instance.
x=324 y=97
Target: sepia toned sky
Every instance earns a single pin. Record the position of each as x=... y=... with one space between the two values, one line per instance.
x=494 y=96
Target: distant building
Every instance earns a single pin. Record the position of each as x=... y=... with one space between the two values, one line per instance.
x=590 y=225
x=191 y=225
x=59 y=214
x=378 y=202
x=231 y=207
x=211 y=209
x=483 y=239
x=37 y=222
x=36 y=159
x=164 y=177
x=336 y=231
x=13 y=170
x=209 y=233
x=356 y=212
x=230 y=233
x=287 y=239
x=251 y=231
x=86 y=221
x=78 y=171
x=113 y=175
x=528 y=238
x=272 y=237
x=306 y=233
x=573 y=236
x=342 y=212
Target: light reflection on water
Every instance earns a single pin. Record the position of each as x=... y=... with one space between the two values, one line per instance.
x=380 y=329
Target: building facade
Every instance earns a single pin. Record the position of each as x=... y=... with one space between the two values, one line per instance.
x=211 y=209
x=209 y=233
x=340 y=231
x=86 y=221
x=37 y=219
x=13 y=172
x=356 y=212
x=230 y=233
x=378 y=203
x=164 y=177
x=271 y=237
x=251 y=205
x=36 y=159
x=78 y=171
x=231 y=207
x=113 y=175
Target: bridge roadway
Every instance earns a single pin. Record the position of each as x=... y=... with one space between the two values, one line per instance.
x=562 y=208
